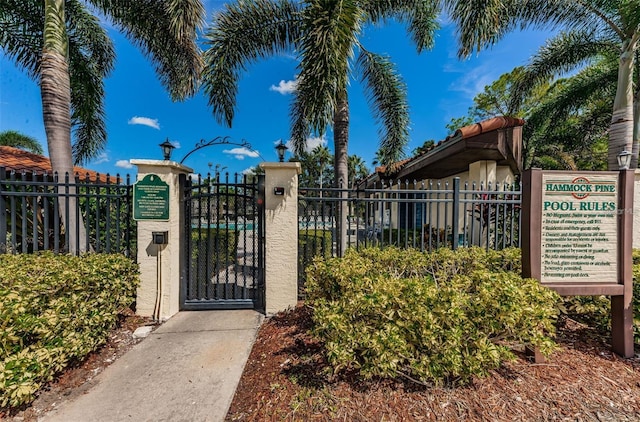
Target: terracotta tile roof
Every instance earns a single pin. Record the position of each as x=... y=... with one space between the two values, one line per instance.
x=18 y=160
x=500 y=122
x=495 y=123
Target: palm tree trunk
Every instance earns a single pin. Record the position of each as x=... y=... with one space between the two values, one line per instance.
x=340 y=141
x=636 y=129
x=622 y=127
x=55 y=90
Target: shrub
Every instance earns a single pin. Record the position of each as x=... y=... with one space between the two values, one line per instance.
x=55 y=309
x=431 y=317
x=311 y=243
x=595 y=311
x=222 y=245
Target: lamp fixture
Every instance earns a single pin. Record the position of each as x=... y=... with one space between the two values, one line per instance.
x=281 y=148
x=624 y=160
x=167 y=148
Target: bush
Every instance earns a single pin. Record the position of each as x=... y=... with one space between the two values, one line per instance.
x=55 y=309
x=595 y=311
x=311 y=243
x=222 y=244
x=443 y=316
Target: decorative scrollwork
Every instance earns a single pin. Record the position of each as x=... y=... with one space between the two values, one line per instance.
x=220 y=140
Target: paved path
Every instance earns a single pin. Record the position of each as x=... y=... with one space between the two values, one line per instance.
x=186 y=370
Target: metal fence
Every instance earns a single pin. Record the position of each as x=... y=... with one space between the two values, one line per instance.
x=34 y=206
x=407 y=214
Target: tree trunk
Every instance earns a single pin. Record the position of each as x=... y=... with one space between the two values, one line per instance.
x=340 y=142
x=55 y=90
x=636 y=129
x=622 y=127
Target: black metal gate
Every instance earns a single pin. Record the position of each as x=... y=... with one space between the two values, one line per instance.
x=224 y=230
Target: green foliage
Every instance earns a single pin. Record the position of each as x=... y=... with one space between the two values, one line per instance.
x=55 y=309
x=596 y=310
x=311 y=243
x=219 y=245
x=12 y=138
x=443 y=316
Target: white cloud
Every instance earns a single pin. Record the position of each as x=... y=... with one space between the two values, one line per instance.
x=176 y=144
x=315 y=141
x=249 y=171
x=125 y=164
x=474 y=80
x=102 y=158
x=285 y=87
x=241 y=153
x=145 y=121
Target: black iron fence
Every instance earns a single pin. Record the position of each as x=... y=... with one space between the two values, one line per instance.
x=34 y=209
x=407 y=214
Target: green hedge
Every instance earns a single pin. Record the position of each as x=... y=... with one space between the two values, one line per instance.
x=596 y=310
x=311 y=243
x=222 y=244
x=55 y=309
x=437 y=317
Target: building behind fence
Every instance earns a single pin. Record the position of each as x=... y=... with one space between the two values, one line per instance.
x=420 y=215
x=31 y=215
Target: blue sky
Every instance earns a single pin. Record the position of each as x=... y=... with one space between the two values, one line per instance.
x=140 y=114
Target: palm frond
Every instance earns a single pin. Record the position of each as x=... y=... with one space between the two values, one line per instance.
x=565 y=52
x=239 y=35
x=386 y=94
x=21 y=24
x=330 y=33
x=168 y=41
x=419 y=15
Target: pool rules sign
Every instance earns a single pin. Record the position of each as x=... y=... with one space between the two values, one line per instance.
x=577 y=237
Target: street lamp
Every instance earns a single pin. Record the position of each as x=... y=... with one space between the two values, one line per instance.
x=624 y=160
x=167 y=148
x=281 y=148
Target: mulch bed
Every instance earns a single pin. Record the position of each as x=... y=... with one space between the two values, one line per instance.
x=287 y=378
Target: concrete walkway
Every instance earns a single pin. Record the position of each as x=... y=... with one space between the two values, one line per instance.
x=186 y=370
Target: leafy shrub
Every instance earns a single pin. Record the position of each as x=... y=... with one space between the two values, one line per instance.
x=311 y=243
x=222 y=245
x=432 y=317
x=595 y=311
x=55 y=309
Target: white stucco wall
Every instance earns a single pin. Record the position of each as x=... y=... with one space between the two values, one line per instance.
x=281 y=236
x=160 y=264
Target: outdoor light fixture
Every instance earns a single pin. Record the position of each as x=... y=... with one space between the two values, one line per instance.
x=281 y=148
x=624 y=160
x=167 y=148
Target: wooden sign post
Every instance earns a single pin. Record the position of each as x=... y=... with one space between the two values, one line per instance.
x=577 y=239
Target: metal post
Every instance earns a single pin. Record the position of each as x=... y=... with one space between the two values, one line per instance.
x=455 y=214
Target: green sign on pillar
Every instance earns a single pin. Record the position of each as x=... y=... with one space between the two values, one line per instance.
x=151 y=199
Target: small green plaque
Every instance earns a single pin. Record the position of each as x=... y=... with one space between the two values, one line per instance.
x=151 y=199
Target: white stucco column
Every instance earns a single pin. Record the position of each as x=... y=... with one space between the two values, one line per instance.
x=636 y=210
x=281 y=236
x=160 y=265
x=483 y=172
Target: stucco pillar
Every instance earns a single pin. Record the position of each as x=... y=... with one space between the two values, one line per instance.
x=636 y=210
x=483 y=172
x=281 y=235
x=160 y=265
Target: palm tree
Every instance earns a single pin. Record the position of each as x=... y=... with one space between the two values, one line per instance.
x=357 y=169
x=324 y=34
x=591 y=27
x=322 y=155
x=62 y=45
x=12 y=138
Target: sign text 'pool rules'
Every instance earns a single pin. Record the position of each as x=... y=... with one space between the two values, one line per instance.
x=151 y=199
x=579 y=228
x=577 y=232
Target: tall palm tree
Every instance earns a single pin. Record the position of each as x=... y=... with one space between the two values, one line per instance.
x=322 y=155
x=325 y=35
x=61 y=44
x=592 y=26
x=357 y=169
x=12 y=138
